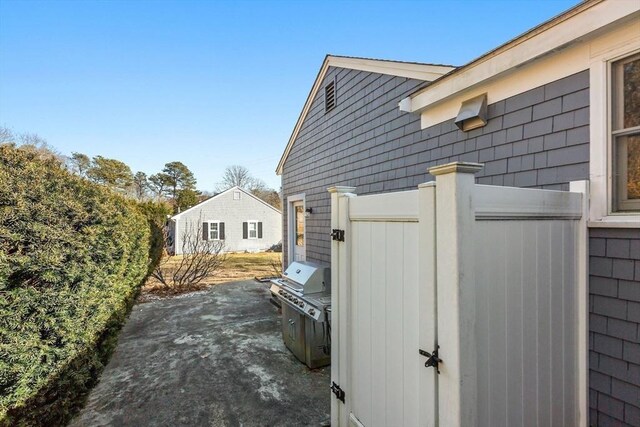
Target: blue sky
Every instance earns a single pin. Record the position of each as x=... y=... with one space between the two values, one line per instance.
x=212 y=83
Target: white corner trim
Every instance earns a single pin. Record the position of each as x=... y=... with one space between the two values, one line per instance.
x=425 y=72
x=550 y=40
x=600 y=153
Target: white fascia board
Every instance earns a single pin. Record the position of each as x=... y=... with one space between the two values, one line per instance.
x=574 y=59
x=425 y=72
x=549 y=39
x=409 y=70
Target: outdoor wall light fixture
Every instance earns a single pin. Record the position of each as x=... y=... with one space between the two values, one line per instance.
x=308 y=211
x=473 y=113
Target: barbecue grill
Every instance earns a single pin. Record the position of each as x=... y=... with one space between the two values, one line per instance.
x=305 y=295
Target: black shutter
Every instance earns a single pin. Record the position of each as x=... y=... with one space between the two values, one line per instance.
x=221 y=231
x=205 y=231
x=259 y=230
x=245 y=230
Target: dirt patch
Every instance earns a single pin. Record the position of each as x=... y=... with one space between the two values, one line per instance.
x=237 y=266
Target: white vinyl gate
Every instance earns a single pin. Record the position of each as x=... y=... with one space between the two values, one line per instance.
x=494 y=278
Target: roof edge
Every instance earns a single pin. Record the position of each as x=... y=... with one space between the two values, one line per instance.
x=235 y=187
x=413 y=70
x=417 y=101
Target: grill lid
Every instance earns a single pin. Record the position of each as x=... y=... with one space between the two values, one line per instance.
x=311 y=277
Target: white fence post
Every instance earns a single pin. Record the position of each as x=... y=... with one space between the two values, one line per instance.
x=582 y=276
x=455 y=293
x=340 y=262
x=427 y=311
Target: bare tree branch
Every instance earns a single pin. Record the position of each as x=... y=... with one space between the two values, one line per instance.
x=235 y=175
x=200 y=259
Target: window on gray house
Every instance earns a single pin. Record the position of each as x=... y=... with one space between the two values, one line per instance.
x=625 y=135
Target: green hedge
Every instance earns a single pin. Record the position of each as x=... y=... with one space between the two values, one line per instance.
x=72 y=257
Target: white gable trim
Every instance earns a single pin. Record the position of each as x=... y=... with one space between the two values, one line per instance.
x=236 y=188
x=567 y=30
x=412 y=70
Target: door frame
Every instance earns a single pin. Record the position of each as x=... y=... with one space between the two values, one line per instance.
x=291 y=226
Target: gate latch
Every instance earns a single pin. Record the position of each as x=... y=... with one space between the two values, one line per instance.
x=335 y=388
x=337 y=234
x=432 y=358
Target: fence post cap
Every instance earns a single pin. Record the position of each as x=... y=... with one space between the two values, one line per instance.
x=459 y=167
x=427 y=184
x=341 y=189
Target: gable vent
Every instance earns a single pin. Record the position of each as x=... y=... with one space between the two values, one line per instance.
x=330 y=96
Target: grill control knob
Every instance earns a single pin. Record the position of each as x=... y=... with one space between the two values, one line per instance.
x=301 y=304
x=280 y=292
x=312 y=312
x=295 y=300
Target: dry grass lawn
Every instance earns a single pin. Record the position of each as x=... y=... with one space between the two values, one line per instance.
x=238 y=266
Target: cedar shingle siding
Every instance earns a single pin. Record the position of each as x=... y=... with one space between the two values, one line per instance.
x=614 y=337
x=535 y=139
x=539 y=138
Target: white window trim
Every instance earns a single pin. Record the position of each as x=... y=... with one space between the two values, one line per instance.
x=249 y=229
x=217 y=228
x=601 y=212
x=291 y=226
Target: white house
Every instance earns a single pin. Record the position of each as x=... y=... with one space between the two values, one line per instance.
x=242 y=221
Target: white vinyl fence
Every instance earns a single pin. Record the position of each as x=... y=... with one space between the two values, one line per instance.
x=493 y=278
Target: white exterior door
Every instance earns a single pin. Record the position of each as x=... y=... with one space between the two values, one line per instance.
x=388 y=296
x=297 y=231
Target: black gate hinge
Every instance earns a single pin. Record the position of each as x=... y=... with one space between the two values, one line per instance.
x=337 y=234
x=335 y=388
x=432 y=358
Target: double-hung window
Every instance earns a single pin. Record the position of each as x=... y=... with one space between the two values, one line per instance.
x=625 y=133
x=216 y=230
x=253 y=229
x=614 y=128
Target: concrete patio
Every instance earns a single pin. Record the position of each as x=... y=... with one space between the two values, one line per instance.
x=210 y=358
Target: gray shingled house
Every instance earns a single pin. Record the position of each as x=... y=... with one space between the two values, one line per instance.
x=557 y=104
x=235 y=217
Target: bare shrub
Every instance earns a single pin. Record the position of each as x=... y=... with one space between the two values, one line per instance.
x=276 y=266
x=200 y=259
